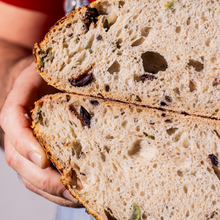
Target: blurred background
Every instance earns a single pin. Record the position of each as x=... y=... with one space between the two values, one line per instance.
x=18 y=203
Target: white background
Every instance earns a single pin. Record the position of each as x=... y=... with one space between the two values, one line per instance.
x=18 y=203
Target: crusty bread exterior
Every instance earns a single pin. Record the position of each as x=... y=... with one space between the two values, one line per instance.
x=158 y=53
x=113 y=155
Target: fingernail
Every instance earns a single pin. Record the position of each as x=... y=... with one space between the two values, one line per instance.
x=68 y=196
x=36 y=159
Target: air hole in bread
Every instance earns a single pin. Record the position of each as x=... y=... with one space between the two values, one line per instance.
x=62 y=66
x=168 y=98
x=106 y=148
x=107 y=88
x=216 y=171
x=137 y=128
x=118 y=32
x=90 y=42
x=198 y=66
x=142 y=193
x=209 y=169
x=208 y=42
x=136 y=185
x=103 y=157
x=213 y=59
x=171 y=131
x=155 y=165
x=217 y=134
x=192 y=86
x=177 y=90
x=135 y=148
x=213 y=187
x=71 y=177
x=138 y=42
x=76 y=149
x=214 y=203
x=185 y=143
x=118 y=43
x=104 y=8
x=81 y=57
x=216 y=82
x=114 y=68
x=109 y=21
x=121 y=4
x=178 y=29
x=109 y=137
x=105 y=111
x=134 y=37
x=116 y=79
x=109 y=214
x=72 y=54
x=185 y=189
x=153 y=62
x=132 y=193
x=145 y=31
x=119 y=152
x=180 y=173
x=130 y=31
x=124 y=123
x=65 y=45
x=114 y=167
x=124 y=203
x=135 y=120
x=187 y=213
x=119 y=53
x=188 y=21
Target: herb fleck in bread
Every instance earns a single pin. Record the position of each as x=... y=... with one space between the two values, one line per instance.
x=116 y=158
x=155 y=53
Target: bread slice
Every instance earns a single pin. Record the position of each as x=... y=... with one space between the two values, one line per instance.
x=129 y=162
x=162 y=54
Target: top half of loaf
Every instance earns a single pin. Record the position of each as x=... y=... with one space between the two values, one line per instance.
x=158 y=53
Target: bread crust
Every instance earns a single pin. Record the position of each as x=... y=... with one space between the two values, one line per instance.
x=47 y=149
x=145 y=111
x=194 y=118
x=116 y=99
x=116 y=96
x=54 y=28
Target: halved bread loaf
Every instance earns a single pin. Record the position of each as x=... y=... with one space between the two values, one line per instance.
x=129 y=162
x=162 y=54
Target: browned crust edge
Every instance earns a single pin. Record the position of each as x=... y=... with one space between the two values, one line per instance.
x=194 y=118
x=116 y=97
x=46 y=148
x=56 y=26
x=124 y=105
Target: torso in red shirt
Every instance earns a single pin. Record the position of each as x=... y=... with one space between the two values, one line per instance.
x=49 y=7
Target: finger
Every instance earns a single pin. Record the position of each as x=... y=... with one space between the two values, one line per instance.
x=31 y=79
x=15 y=121
x=72 y=202
x=47 y=180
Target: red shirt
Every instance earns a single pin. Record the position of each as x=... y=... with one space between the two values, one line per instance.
x=49 y=7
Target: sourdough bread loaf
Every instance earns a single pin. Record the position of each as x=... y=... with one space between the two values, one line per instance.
x=129 y=162
x=159 y=53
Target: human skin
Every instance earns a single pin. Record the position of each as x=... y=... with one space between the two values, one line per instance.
x=22 y=86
